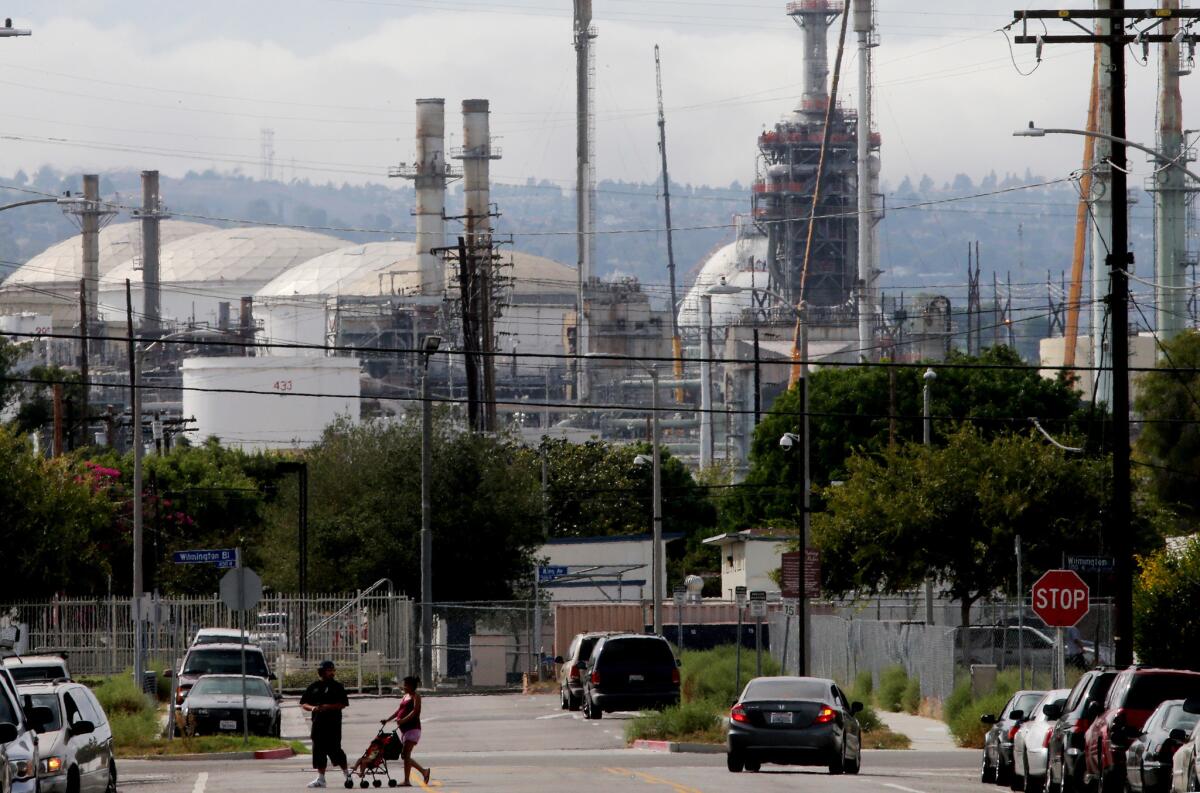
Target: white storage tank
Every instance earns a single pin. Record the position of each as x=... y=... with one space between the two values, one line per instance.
x=273 y=402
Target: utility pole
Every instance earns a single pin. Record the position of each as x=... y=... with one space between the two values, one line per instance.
x=84 y=408
x=135 y=419
x=676 y=342
x=1115 y=39
x=927 y=400
x=585 y=184
x=428 y=349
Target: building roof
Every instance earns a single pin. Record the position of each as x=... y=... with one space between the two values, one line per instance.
x=243 y=255
x=667 y=537
x=329 y=273
x=751 y=535
x=120 y=243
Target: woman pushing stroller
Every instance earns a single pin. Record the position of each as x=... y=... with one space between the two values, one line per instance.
x=408 y=722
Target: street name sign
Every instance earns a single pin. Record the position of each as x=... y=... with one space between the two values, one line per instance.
x=1060 y=598
x=1091 y=564
x=549 y=572
x=218 y=557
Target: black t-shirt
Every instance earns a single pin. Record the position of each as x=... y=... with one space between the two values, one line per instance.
x=325 y=692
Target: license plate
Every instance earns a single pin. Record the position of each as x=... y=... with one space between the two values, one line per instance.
x=227 y=724
x=636 y=678
x=779 y=718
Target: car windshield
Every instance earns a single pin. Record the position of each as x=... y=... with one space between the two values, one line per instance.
x=219 y=638
x=45 y=701
x=23 y=673
x=1148 y=691
x=636 y=651
x=1026 y=703
x=816 y=690
x=224 y=662
x=1176 y=718
x=232 y=685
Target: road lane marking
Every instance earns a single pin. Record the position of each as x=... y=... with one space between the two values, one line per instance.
x=201 y=782
x=553 y=716
x=902 y=788
x=678 y=787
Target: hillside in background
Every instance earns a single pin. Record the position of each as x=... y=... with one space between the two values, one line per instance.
x=1025 y=231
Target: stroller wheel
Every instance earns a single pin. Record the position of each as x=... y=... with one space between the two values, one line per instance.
x=364 y=784
x=392 y=783
x=378 y=783
x=349 y=784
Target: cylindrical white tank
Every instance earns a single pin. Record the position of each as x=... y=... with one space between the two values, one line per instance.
x=299 y=320
x=430 y=184
x=273 y=402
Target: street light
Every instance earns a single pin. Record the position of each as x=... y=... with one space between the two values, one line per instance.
x=656 y=551
x=927 y=394
x=786 y=442
x=8 y=30
x=1038 y=132
x=428 y=348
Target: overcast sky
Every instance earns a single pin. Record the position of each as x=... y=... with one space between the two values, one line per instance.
x=177 y=85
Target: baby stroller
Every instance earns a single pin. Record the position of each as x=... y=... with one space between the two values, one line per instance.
x=374 y=761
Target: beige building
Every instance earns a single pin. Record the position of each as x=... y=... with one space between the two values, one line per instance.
x=749 y=557
x=1143 y=352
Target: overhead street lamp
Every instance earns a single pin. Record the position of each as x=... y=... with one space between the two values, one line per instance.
x=428 y=348
x=1038 y=132
x=8 y=30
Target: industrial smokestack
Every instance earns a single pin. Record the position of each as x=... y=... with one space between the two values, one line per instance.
x=814 y=18
x=89 y=224
x=430 y=183
x=476 y=156
x=152 y=310
x=1170 y=196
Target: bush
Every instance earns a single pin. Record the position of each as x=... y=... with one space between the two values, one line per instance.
x=697 y=721
x=864 y=687
x=962 y=710
x=868 y=719
x=711 y=675
x=892 y=682
x=1168 y=585
x=120 y=695
x=910 y=701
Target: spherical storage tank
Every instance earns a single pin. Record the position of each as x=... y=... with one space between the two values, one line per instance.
x=48 y=284
x=294 y=305
x=272 y=402
x=224 y=265
x=740 y=264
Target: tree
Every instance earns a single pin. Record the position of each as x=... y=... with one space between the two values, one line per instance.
x=850 y=409
x=365 y=512
x=952 y=513
x=1168 y=400
x=52 y=511
x=1168 y=586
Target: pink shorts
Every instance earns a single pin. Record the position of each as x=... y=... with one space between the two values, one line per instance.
x=411 y=736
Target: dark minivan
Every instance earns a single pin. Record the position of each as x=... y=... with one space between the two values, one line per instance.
x=630 y=672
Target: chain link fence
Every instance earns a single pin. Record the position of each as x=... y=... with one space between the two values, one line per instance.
x=491 y=645
x=370 y=637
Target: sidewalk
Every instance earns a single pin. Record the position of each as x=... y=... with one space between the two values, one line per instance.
x=930 y=735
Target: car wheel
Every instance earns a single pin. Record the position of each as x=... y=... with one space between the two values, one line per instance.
x=564 y=699
x=852 y=766
x=73 y=781
x=1003 y=773
x=753 y=766
x=277 y=730
x=987 y=774
x=111 y=787
x=838 y=764
x=734 y=762
x=573 y=703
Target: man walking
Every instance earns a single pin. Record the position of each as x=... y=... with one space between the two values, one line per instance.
x=325 y=699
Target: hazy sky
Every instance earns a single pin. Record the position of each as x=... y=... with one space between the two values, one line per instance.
x=180 y=85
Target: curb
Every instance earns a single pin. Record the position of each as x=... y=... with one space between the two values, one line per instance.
x=676 y=747
x=274 y=754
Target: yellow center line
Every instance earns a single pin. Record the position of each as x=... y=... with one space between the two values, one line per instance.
x=678 y=787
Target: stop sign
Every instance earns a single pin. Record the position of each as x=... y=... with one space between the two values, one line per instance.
x=1060 y=598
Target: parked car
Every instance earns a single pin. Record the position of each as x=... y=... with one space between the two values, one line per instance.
x=37 y=668
x=217 y=636
x=1148 y=760
x=214 y=705
x=75 y=742
x=1185 y=765
x=217 y=659
x=21 y=744
x=570 y=684
x=1002 y=645
x=997 y=743
x=272 y=632
x=1134 y=695
x=794 y=721
x=1067 y=750
x=1032 y=740
x=629 y=672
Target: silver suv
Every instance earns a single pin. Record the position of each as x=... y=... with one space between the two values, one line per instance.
x=75 y=741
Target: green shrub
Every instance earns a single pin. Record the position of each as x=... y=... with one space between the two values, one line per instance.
x=892 y=682
x=910 y=701
x=711 y=675
x=119 y=694
x=864 y=687
x=868 y=719
x=966 y=728
x=698 y=721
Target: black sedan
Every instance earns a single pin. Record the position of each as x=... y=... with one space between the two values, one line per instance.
x=214 y=705
x=1148 y=759
x=794 y=721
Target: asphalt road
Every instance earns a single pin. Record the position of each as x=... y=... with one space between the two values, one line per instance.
x=526 y=744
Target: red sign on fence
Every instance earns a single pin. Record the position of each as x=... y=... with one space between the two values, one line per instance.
x=1060 y=598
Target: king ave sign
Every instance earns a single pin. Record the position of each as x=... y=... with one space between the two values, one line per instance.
x=1060 y=598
